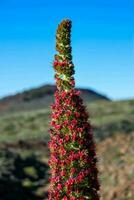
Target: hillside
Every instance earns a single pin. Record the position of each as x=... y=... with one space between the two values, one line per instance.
x=107 y=118
x=40 y=97
x=24 y=170
x=116 y=164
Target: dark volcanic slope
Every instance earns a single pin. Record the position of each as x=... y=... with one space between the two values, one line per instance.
x=40 y=97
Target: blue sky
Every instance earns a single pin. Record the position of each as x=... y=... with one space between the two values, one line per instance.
x=102 y=41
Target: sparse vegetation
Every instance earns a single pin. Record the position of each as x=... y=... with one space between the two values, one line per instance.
x=107 y=118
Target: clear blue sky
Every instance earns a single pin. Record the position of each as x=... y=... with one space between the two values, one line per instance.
x=102 y=41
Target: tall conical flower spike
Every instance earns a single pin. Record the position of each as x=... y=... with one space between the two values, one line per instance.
x=72 y=149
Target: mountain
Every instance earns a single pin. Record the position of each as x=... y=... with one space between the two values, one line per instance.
x=24 y=171
x=41 y=97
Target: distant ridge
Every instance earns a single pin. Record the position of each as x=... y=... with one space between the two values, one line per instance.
x=41 y=96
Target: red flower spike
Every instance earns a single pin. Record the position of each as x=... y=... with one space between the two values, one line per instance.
x=72 y=148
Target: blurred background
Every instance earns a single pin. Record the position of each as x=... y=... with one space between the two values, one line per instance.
x=103 y=54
